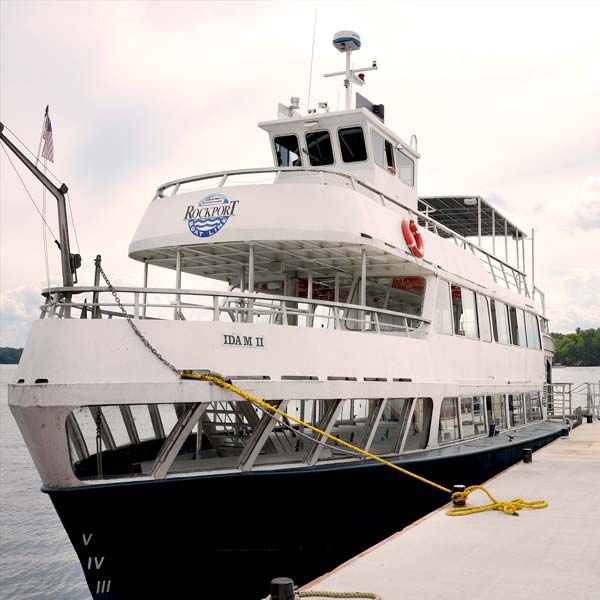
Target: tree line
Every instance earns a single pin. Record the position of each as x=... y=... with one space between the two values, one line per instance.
x=579 y=349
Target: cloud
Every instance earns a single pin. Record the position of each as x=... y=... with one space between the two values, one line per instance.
x=587 y=209
x=18 y=308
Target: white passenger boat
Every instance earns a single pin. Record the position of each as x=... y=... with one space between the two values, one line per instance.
x=340 y=297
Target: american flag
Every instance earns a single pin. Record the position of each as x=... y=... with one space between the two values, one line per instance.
x=48 y=151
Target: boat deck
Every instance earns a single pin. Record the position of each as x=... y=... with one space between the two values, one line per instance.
x=549 y=553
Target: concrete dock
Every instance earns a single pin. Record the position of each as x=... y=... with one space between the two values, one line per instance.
x=547 y=553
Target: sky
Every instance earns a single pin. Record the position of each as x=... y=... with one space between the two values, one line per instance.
x=503 y=96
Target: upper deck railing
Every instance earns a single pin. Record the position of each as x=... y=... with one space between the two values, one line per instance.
x=501 y=272
x=236 y=307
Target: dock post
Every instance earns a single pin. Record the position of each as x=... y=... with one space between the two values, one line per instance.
x=282 y=588
x=527 y=455
x=458 y=488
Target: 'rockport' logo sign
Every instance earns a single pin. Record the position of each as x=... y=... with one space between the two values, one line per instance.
x=211 y=214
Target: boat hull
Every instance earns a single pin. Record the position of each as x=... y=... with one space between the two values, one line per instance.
x=226 y=536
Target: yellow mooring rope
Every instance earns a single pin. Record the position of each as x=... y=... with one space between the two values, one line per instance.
x=508 y=508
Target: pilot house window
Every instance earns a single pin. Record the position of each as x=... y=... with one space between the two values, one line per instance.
x=352 y=144
x=287 y=151
x=320 y=152
x=406 y=168
x=383 y=152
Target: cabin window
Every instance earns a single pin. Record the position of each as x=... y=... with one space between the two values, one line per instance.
x=496 y=410
x=383 y=152
x=420 y=424
x=398 y=294
x=464 y=312
x=499 y=322
x=448 y=430
x=515 y=410
x=406 y=168
x=533 y=407
x=352 y=144
x=442 y=318
x=533 y=334
x=320 y=151
x=392 y=426
x=517 y=326
x=287 y=151
x=472 y=419
x=483 y=318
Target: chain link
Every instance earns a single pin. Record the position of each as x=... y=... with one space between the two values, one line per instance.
x=134 y=326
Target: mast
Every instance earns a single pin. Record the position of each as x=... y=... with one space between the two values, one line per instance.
x=347 y=42
x=70 y=262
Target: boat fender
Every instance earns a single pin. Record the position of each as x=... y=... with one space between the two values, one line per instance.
x=412 y=237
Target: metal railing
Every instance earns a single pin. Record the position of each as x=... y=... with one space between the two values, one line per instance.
x=240 y=307
x=569 y=400
x=513 y=278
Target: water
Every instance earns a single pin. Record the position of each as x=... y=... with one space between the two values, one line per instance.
x=36 y=557
x=37 y=560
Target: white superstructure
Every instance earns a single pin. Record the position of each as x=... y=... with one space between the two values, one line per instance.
x=319 y=306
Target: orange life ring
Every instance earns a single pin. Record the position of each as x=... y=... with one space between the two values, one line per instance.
x=413 y=238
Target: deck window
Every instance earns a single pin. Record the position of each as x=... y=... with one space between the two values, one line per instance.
x=442 y=318
x=514 y=326
x=383 y=152
x=533 y=407
x=420 y=424
x=483 y=318
x=287 y=151
x=515 y=410
x=406 y=168
x=320 y=151
x=464 y=312
x=448 y=431
x=496 y=410
x=499 y=322
x=521 y=325
x=533 y=334
x=352 y=144
x=472 y=418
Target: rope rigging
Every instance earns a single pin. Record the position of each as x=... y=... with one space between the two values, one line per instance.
x=30 y=196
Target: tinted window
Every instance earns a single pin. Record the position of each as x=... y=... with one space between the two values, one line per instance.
x=352 y=144
x=287 y=151
x=320 y=152
x=406 y=168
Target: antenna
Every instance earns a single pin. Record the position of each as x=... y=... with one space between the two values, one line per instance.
x=348 y=41
x=312 y=55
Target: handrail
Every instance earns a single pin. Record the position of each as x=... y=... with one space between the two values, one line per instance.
x=249 y=296
x=224 y=175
